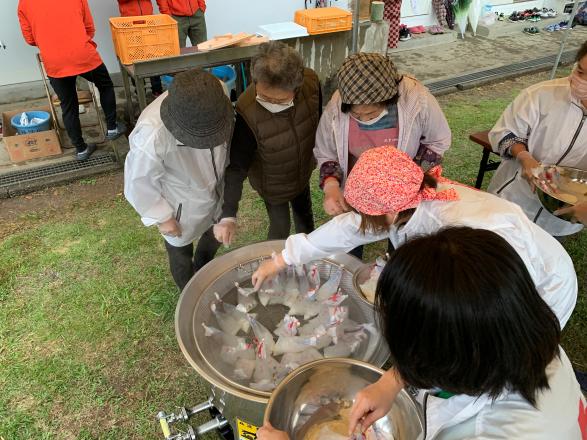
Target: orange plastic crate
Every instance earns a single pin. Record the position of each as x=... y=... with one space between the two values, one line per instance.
x=144 y=37
x=324 y=20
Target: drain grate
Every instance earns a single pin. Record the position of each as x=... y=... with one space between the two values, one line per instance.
x=20 y=177
x=498 y=72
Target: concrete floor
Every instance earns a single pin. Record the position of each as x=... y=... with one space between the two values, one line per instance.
x=472 y=54
x=90 y=127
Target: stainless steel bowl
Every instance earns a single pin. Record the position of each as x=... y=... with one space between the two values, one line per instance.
x=361 y=276
x=317 y=392
x=572 y=181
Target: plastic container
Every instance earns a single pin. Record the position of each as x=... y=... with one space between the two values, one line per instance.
x=226 y=74
x=166 y=80
x=283 y=31
x=324 y=20
x=32 y=128
x=144 y=37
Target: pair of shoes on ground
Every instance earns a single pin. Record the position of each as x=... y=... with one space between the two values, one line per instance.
x=436 y=30
x=548 y=13
x=404 y=33
x=110 y=135
x=531 y=30
x=563 y=25
x=417 y=29
x=528 y=14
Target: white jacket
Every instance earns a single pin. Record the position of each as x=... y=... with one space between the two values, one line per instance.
x=548 y=263
x=560 y=412
x=159 y=175
x=553 y=121
x=420 y=122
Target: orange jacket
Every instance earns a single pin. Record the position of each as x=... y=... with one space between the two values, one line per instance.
x=132 y=8
x=63 y=32
x=181 y=8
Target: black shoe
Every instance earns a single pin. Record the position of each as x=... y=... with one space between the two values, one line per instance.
x=85 y=155
x=115 y=134
x=404 y=34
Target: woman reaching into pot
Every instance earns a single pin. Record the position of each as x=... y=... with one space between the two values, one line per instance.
x=393 y=198
x=469 y=333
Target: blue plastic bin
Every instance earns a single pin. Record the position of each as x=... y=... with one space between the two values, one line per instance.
x=34 y=128
x=166 y=80
x=227 y=74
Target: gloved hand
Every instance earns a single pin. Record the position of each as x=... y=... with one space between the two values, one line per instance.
x=225 y=230
x=528 y=164
x=334 y=203
x=170 y=227
x=375 y=401
x=268 y=270
x=579 y=212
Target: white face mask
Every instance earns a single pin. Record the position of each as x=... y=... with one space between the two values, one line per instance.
x=272 y=107
x=376 y=119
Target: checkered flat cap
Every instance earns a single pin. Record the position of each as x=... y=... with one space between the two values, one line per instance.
x=367 y=78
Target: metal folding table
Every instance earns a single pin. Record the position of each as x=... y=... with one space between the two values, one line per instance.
x=189 y=58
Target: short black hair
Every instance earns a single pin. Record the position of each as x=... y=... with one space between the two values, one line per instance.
x=582 y=52
x=460 y=312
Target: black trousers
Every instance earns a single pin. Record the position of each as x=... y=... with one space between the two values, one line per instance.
x=184 y=263
x=358 y=251
x=67 y=93
x=279 y=218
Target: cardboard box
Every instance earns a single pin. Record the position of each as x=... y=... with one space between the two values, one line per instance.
x=23 y=147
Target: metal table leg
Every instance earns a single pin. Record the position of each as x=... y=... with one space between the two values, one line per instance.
x=482 y=168
x=240 y=86
x=127 y=94
x=141 y=94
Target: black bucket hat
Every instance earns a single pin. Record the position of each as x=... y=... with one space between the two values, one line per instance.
x=197 y=111
x=367 y=78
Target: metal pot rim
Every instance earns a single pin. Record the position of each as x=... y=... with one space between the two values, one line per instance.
x=300 y=370
x=212 y=271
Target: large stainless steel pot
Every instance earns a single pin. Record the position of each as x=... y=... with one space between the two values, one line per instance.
x=236 y=402
x=323 y=390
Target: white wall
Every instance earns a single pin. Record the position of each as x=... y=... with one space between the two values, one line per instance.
x=18 y=65
x=17 y=62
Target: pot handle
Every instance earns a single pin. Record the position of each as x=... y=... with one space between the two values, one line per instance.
x=183 y=415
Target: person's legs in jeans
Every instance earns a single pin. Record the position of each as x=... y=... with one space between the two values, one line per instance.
x=67 y=93
x=279 y=221
x=303 y=216
x=101 y=79
x=205 y=249
x=183 y=25
x=197 y=28
x=181 y=263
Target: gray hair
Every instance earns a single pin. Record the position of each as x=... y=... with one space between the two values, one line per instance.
x=278 y=65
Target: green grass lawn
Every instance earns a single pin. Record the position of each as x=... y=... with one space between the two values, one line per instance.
x=87 y=345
